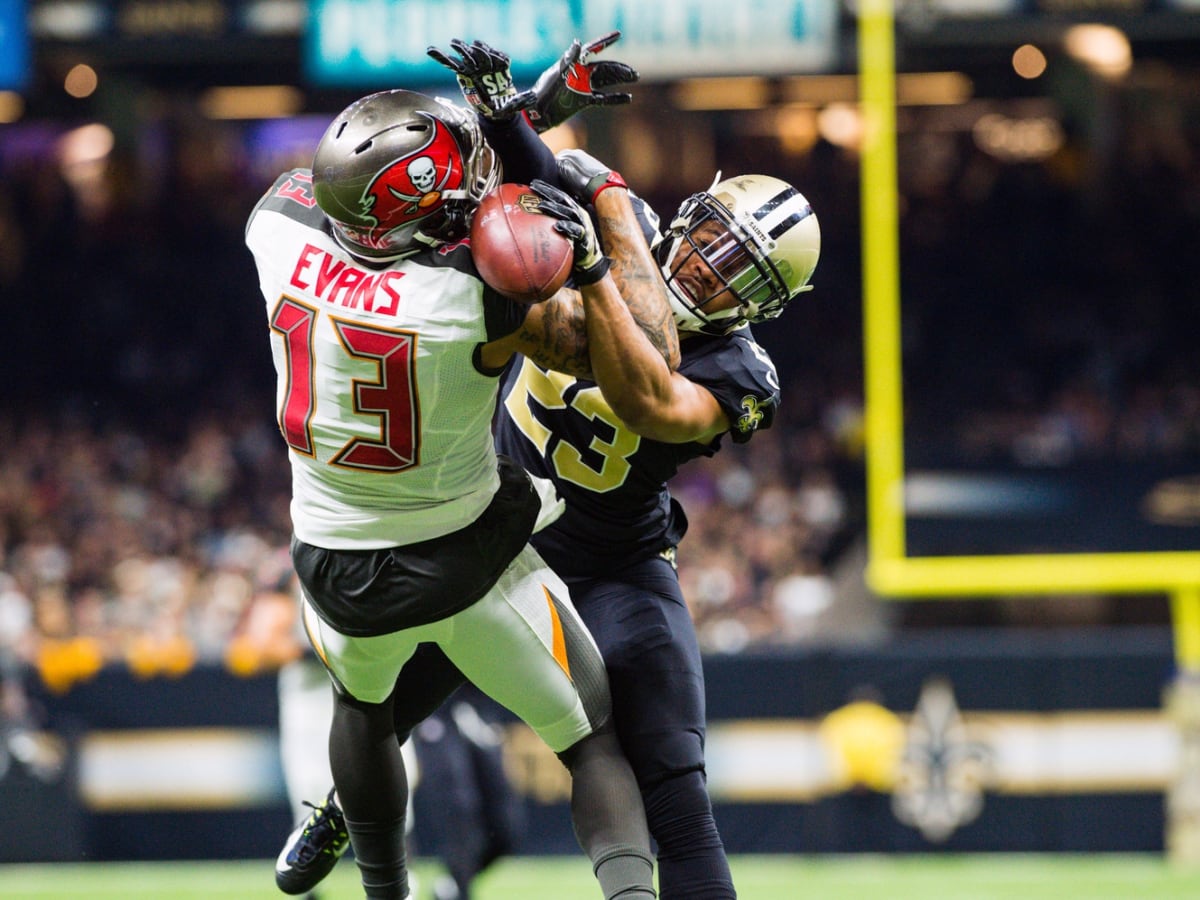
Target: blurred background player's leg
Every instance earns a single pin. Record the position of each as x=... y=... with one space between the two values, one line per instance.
x=475 y=816
x=305 y=709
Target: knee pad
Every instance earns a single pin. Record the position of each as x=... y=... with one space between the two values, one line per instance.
x=658 y=757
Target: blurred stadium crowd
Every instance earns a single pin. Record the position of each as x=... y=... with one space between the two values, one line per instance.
x=1049 y=315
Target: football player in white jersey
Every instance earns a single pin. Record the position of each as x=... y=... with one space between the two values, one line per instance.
x=735 y=254
x=408 y=528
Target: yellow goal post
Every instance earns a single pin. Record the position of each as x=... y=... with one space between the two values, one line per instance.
x=890 y=571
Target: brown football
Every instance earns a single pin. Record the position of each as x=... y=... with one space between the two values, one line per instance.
x=516 y=250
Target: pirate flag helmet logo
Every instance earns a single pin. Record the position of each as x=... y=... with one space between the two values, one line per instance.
x=397 y=171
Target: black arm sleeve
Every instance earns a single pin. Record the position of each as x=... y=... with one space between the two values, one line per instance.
x=523 y=154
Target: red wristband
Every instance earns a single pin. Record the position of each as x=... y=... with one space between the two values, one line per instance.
x=614 y=179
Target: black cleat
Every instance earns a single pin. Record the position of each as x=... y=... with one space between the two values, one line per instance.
x=313 y=849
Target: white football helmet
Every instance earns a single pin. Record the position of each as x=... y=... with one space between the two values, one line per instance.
x=761 y=239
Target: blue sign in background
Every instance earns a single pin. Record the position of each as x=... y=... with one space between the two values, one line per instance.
x=382 y=42
x=14 y=45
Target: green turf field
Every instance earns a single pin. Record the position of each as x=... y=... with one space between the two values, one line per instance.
x=998 y=877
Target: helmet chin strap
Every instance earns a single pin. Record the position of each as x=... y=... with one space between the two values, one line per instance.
x=736 y=312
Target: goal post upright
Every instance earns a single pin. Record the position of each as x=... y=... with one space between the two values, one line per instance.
x=890 y=572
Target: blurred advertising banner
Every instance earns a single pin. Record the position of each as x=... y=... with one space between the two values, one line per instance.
x=1107 y=506
x=186 y=23
x=966 y=740
x=357 y=42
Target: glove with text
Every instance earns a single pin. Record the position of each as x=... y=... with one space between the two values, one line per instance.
x=572 y=84
x=573 y=223
x=485 y=79
x=584 y=177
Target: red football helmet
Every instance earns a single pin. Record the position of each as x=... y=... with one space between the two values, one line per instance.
x=397 y=170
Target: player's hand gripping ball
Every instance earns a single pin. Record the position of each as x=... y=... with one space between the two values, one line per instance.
x=517 y=249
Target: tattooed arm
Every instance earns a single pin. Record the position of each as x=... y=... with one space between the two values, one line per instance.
x=650 y=397
x=554 y=336
x=555 y=333
x=646 y=392
x=636 y=272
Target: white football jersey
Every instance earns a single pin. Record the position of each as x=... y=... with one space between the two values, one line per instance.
x=386 y=416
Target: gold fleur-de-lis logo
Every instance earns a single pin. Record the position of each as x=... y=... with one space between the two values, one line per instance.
x=753 y=415
x=945 y=767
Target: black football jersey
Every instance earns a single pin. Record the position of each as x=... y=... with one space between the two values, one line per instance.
x=614 y=482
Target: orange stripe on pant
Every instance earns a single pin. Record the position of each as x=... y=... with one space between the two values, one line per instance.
x=559 y=642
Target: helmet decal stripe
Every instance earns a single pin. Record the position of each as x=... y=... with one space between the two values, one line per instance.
x=789 y=204
x=775 y=202
x=790 y=221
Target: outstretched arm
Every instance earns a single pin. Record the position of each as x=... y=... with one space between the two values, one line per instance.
x=634 y=268
x=512 y=120
x=555 y=333
x=639 y=385
x=648 y=395
x=636 y=273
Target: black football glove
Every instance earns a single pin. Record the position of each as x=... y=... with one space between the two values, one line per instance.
x=590 y=262
x=583 y=176
x=485 y=79
x=570 y=85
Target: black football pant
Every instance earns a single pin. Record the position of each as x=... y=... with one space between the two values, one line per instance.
x=641 y=623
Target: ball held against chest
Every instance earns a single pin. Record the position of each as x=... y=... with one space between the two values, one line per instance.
x=516 y=250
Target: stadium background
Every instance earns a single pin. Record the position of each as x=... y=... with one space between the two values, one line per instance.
x=1046 y=220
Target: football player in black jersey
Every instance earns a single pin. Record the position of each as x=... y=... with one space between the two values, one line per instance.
x=733 y=255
